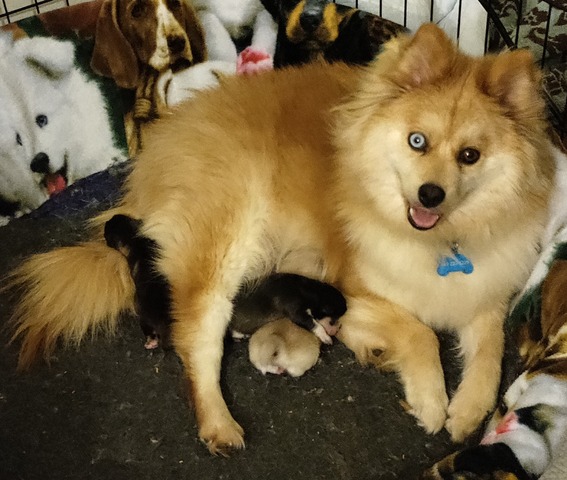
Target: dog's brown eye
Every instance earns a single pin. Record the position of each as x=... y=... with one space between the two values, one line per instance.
x=173 y=4
x=138 y=9
x=468 y=156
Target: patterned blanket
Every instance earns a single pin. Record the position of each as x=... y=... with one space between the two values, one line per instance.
x=541 y=27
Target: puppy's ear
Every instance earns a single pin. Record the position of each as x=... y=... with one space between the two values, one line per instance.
x=113 y=55
x=514 y=81
x=428 y=56
x=194 y=33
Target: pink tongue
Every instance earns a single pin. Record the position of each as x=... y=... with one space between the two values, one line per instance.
x=423 y=217
x=55 y=183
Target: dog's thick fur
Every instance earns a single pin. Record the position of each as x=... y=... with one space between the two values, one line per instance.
x=310 y=170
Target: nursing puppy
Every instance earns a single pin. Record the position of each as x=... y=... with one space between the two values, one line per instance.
x=281 y=347
x=153 y=294
x=310 y=304
x=374 y=174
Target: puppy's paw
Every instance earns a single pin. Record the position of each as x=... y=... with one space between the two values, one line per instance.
x=222 y=438
x=152 y=343
x=465 y=415
x=321 y=333
x=428 y=406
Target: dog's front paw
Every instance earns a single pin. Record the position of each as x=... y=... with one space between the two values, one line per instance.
x=222 y=437
x=428 y=404
x=465 y=413
x=253 y=60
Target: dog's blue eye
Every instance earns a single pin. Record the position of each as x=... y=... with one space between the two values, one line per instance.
x=417 y=141
x=468 y=156
x=19 y=139
x=41 y=121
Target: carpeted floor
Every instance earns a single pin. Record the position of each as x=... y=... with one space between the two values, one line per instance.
x=112 y=410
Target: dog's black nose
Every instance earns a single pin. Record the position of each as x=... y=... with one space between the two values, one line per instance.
x=40 y=163
x=310 y=20
x=176 y=44
x=431 y=195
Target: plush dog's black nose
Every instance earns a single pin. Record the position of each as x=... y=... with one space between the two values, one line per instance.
x=431 y=195
x=40 y=163
x=310 y=20
x=176 y=44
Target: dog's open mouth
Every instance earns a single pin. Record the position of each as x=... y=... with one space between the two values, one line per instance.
x=422 y=218
x=56 y=182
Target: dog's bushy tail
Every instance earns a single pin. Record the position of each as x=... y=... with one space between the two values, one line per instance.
x=68 y=293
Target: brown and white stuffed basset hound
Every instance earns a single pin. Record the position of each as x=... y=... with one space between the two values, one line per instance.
x=138 y=40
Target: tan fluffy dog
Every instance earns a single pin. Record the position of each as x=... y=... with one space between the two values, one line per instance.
x=321 y=170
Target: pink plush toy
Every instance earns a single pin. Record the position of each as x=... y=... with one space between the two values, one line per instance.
x=253 y=60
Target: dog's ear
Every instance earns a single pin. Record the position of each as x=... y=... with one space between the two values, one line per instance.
x=428 y=56
x=195 y=33
x=113 y=55
x=53 y=58
x=513 y=79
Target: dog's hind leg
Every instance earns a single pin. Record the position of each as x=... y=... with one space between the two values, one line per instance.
x=200 y=322
x=205 y=274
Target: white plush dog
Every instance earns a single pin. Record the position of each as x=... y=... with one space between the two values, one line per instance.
x=54 y=127
x=224 y=21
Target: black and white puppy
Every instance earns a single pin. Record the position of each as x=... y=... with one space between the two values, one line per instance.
x=313 y=305
x=153 y=296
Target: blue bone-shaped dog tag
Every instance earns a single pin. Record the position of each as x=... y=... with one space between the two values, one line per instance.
x=457 y=263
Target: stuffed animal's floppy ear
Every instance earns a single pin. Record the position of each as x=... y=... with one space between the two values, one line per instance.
x=194 y=33
x=113 y=55
x=53 y=58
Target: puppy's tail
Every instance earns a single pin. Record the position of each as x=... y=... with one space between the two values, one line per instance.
x=68 y=293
